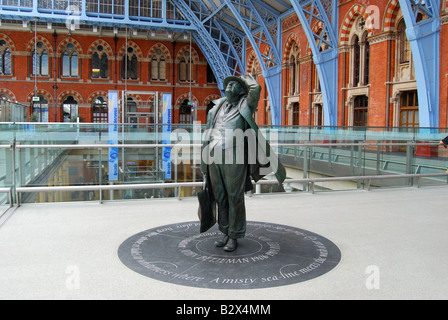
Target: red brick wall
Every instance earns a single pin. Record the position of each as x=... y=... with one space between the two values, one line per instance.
x=21 y=84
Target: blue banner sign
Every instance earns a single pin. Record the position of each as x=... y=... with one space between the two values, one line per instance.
x=166 y=132
x=112 y=106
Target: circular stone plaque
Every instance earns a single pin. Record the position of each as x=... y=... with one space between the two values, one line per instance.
x=270 y=255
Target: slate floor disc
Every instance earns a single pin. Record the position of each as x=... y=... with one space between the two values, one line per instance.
x=270 y=255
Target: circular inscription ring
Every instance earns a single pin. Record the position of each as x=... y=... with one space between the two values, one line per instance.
x=270 y=255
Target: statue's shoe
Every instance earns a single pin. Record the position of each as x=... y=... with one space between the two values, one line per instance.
x=222 y=242
x=231 y=245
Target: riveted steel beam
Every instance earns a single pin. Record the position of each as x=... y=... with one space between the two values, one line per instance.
x=319 y=21
x=422 y=18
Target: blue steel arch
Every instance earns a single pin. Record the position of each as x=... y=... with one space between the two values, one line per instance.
x=324 y=46
x=259 y=35
x=424 y=36
x=213 y=39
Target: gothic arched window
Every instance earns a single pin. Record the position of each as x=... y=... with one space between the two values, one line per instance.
x=186 y=71
x=403 y=43
x=39 y=61
x=99 y=109
x=158 y=66
x=5 y=58
x=130 y=65
x=70 y=61
x=70 y=109
x=100 y=63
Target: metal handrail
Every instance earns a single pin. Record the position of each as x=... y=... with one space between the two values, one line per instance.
x=312 y=182
x=9 y=192
x=157 y=145
x=106 y=187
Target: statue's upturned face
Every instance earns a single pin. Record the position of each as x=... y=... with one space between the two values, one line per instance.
x=233 y=90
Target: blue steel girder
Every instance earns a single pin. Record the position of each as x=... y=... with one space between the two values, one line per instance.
x=121 y=14
x=206 y=43
x=255 y=26
x=227 y=42
x=423 y=35
x=324 y=46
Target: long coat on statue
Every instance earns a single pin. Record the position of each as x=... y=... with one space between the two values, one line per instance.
x=266 y=160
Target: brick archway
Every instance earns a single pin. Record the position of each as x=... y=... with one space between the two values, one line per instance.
x=9 y=41
x=350 y=17
x=45 y=41
x=390 y=15
x=9 y=93
x=73 y=93
x=66 y=41
x=161 y=47
x=292 y=38
x=40 y=92
x=104 y=43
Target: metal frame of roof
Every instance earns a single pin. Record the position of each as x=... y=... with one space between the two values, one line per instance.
x=223 y=29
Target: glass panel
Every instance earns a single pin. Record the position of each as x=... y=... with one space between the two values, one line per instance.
x=44 y=112
x=65 y=64
x=95 y=65
x=66 y=112
x=74 y=65
x=44 y=63
x=154 y=69
x=104 y=66
x=334 y=152
x=34 y=62
x=6 y=68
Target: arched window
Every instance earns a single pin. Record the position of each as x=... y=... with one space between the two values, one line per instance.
x=209 y=107
x=317 y=87
x=292 y=75
x=293 y=71
x=130 y=65
x=99 y=109
x=100 y=63
x=186 y=68
x=185 y=115
x=404 y=46
x=318 y=115
x=296 y=114
x=360 y=111
x=70 y=109
x=5 y=58
x=356 y=60
x=40 y=110
x=210 y=75
x=360 y=54
x=39 y=61
x=70 y=61
x=158 y=66
x=366 y=62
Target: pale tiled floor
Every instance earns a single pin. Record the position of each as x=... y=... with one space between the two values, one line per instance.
x=394 y=245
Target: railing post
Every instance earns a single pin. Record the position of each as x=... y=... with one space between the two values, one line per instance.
x=100 y=174
x=306 y=159
x=359 y=173
x=409 y=160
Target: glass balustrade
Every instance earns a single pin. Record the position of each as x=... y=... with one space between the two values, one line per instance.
x=68 y=161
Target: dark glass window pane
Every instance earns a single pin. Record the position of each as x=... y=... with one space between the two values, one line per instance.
x=65 y=64
x=74 y=64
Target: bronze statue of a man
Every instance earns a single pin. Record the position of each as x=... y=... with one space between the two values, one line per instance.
x=229 y=165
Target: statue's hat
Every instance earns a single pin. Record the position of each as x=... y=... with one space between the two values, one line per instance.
x=239 y=80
